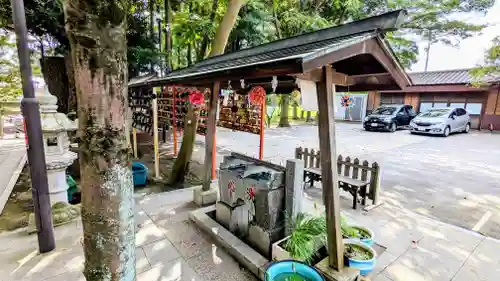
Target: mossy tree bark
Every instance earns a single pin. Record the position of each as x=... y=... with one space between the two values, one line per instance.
x=96 y=30
x=181 y=165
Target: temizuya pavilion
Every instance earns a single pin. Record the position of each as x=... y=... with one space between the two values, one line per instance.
x=349 y=57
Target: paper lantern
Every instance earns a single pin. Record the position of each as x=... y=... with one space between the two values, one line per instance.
x=257 y=95
x=196 y=98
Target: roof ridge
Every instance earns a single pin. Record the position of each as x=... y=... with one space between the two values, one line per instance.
x=444 y=70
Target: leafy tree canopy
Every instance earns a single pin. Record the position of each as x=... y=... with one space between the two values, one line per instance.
x=490 y=70
x=10 y=76
x=45 y=18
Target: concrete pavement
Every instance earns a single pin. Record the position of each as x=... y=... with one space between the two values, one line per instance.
x=170 y=247
x=12 y=160
x=452 y=179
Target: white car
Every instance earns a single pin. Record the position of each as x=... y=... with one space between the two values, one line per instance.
x=441 y=121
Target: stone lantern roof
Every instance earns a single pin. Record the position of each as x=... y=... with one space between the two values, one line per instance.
x=52 y=121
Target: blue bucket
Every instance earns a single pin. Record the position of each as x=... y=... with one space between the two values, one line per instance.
x=292 y=266
x=139 y=173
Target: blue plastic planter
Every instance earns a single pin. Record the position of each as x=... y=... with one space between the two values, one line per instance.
x=292 y=266
x=364 y=266
x=139 y=173
x=368 y=241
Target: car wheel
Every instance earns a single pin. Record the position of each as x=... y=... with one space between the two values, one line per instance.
x=368 y=129
x=393 y=127
x=446 y=132
x=467 y=128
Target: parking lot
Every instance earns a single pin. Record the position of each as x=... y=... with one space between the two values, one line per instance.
x=454 y=179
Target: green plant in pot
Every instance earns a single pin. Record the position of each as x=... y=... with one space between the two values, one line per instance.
x=309 y=236
x=363 y=234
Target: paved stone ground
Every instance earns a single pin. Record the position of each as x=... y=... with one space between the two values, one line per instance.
x=170 y=247
x=452 y=179
x=423 y=249
x=12 y=159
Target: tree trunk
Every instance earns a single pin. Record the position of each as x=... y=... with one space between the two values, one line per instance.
x=56 y=79
x=189 y=54
x=308 y=116
x=181 y=165
x=295 y=112
x=226 y=26
x=97 y=34
x=168 y=36
x=284 y=122
x=276 y=21
x=72 y=101
x=302 y=114
x=151 y=27
x=204 y=43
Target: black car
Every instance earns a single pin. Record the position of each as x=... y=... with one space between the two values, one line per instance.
x=389 y=117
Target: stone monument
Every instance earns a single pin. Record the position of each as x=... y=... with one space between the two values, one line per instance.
x=252 y=200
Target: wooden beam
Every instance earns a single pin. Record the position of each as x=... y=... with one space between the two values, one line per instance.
x=210 y=154
x=329 y=181
x=376 y=47
x=316 y=75
x=331 y=57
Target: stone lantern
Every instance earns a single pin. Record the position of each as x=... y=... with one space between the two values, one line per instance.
x=58 y=157
x=55 y=128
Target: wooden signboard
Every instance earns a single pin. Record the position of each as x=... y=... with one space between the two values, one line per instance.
x=238 y=113
x=173 y=106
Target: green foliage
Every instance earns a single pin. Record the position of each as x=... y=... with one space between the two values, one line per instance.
x=308 y=236
x=10 y=77
x=45 y=19
x=490 y=70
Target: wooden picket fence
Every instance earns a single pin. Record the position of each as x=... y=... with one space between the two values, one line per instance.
x=355 y=169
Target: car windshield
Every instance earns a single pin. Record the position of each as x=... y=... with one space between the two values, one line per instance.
x=435 y=113
x=385 y=110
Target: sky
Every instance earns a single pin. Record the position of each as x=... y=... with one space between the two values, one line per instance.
x=470 y=53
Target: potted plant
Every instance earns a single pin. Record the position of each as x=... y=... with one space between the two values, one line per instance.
x=357 y=232
x=359 y=255
x=308 y=236
x=308 y=240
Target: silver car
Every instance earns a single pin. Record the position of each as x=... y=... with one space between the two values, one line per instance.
x=441 y=121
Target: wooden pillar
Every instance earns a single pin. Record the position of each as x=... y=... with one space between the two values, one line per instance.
x=327 y=146
x=155 y=136
x=134 y=139
x=262 y=127
x=210 y=154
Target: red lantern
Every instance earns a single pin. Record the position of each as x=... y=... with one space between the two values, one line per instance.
x=257 y=95
x=196 y=97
